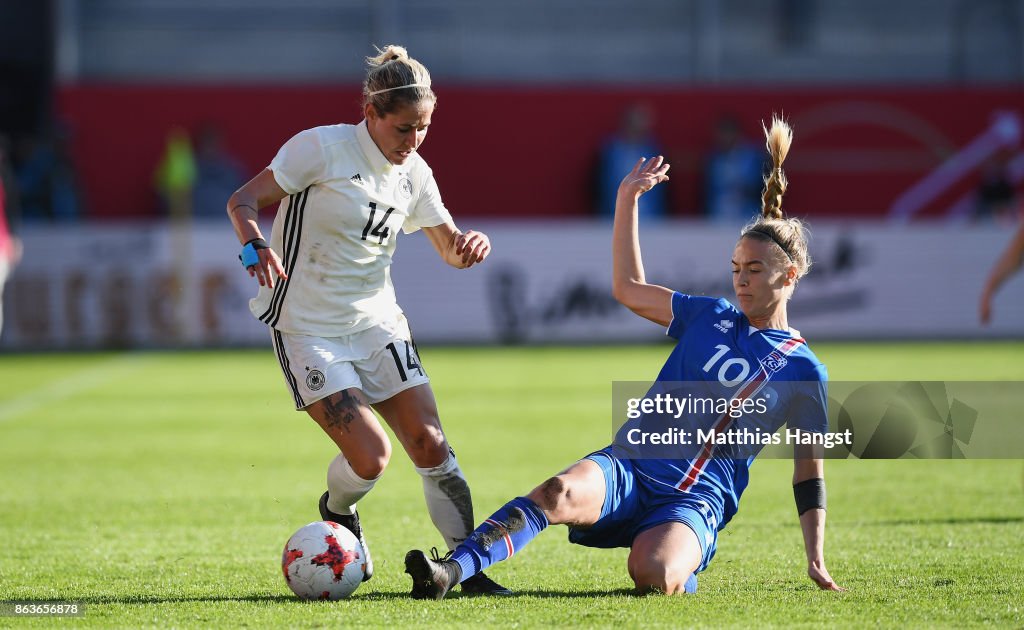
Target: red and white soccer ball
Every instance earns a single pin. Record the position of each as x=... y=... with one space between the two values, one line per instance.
x=323 y=560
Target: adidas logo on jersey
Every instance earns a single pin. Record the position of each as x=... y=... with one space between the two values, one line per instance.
x=725 y=325
x=357 y=179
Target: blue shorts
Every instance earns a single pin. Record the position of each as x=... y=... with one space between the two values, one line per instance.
x=631 y=507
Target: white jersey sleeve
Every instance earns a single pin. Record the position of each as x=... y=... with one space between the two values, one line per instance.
x=428 y=210
x=300 y=163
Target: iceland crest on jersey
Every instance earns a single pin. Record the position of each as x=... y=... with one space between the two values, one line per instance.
x=774 y=361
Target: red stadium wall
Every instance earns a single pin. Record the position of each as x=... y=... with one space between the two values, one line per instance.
x=512 y=152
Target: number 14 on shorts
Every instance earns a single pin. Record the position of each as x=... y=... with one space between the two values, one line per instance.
x=411 y=359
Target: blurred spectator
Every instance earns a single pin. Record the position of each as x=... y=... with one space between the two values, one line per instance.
x=620 y=153
x=996 y=196
x=45 y=176
x=218 y=174
x=175 y=176
x=1006 y=266
x=10 y=246
x=733 y=180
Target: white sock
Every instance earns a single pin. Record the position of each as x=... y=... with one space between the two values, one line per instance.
x=448 y=500
x=345 y=487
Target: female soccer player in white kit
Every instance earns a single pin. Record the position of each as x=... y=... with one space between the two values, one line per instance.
x=325 y=291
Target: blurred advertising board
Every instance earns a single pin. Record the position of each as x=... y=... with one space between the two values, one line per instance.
x=154 y=285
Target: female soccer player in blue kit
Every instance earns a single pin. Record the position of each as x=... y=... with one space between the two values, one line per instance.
x=669 y=511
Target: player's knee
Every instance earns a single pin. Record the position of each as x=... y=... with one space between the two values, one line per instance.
x=552 y=496
x=658 y=579
x=427 y=446
x=370 y=468
x=372 y=460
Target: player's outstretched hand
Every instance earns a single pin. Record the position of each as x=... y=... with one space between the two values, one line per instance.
x=269 y=262
x=647 y=174
x=473 y=247
x=819 y=574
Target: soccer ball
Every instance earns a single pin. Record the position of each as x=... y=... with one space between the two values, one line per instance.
x=323 y=560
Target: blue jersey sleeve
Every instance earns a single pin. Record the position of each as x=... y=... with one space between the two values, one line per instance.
x=688 y=308
x=808 y=409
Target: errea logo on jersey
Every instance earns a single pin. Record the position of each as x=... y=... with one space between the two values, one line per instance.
x=725 y=325
x=774 y=361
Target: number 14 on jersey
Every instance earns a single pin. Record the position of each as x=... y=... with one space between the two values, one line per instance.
x=380 y=230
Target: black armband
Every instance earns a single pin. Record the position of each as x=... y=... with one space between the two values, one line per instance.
x=809 y=495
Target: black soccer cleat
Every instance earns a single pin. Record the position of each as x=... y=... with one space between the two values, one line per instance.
x=351 y=523
x=480 y=584
x=431 y=578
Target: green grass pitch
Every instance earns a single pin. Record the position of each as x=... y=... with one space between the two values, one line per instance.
x=159 y=488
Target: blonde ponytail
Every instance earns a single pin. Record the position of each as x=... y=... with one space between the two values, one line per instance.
x=778 y=140
x=788 y=235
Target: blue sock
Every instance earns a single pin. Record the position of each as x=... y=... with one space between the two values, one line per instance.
x=691 y=584
x=504 y=533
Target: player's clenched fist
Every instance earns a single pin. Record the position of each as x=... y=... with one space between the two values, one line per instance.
x=472 y=247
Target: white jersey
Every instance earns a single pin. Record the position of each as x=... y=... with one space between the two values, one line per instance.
x=336 y=231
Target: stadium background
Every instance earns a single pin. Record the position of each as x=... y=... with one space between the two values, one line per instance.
x=901 y=110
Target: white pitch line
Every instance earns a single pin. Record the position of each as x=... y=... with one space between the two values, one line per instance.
x=77 y=383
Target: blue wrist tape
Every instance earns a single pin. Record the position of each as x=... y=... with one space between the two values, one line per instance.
x=249 y=255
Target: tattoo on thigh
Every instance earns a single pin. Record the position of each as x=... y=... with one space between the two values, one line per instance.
x=341 y=410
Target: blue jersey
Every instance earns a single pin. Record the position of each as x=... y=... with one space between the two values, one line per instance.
x=718 y=346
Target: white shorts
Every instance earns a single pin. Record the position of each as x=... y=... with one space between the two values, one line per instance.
x=379 y=361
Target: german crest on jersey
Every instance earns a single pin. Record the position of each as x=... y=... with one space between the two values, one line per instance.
x=315 y=380
x=405 y=187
